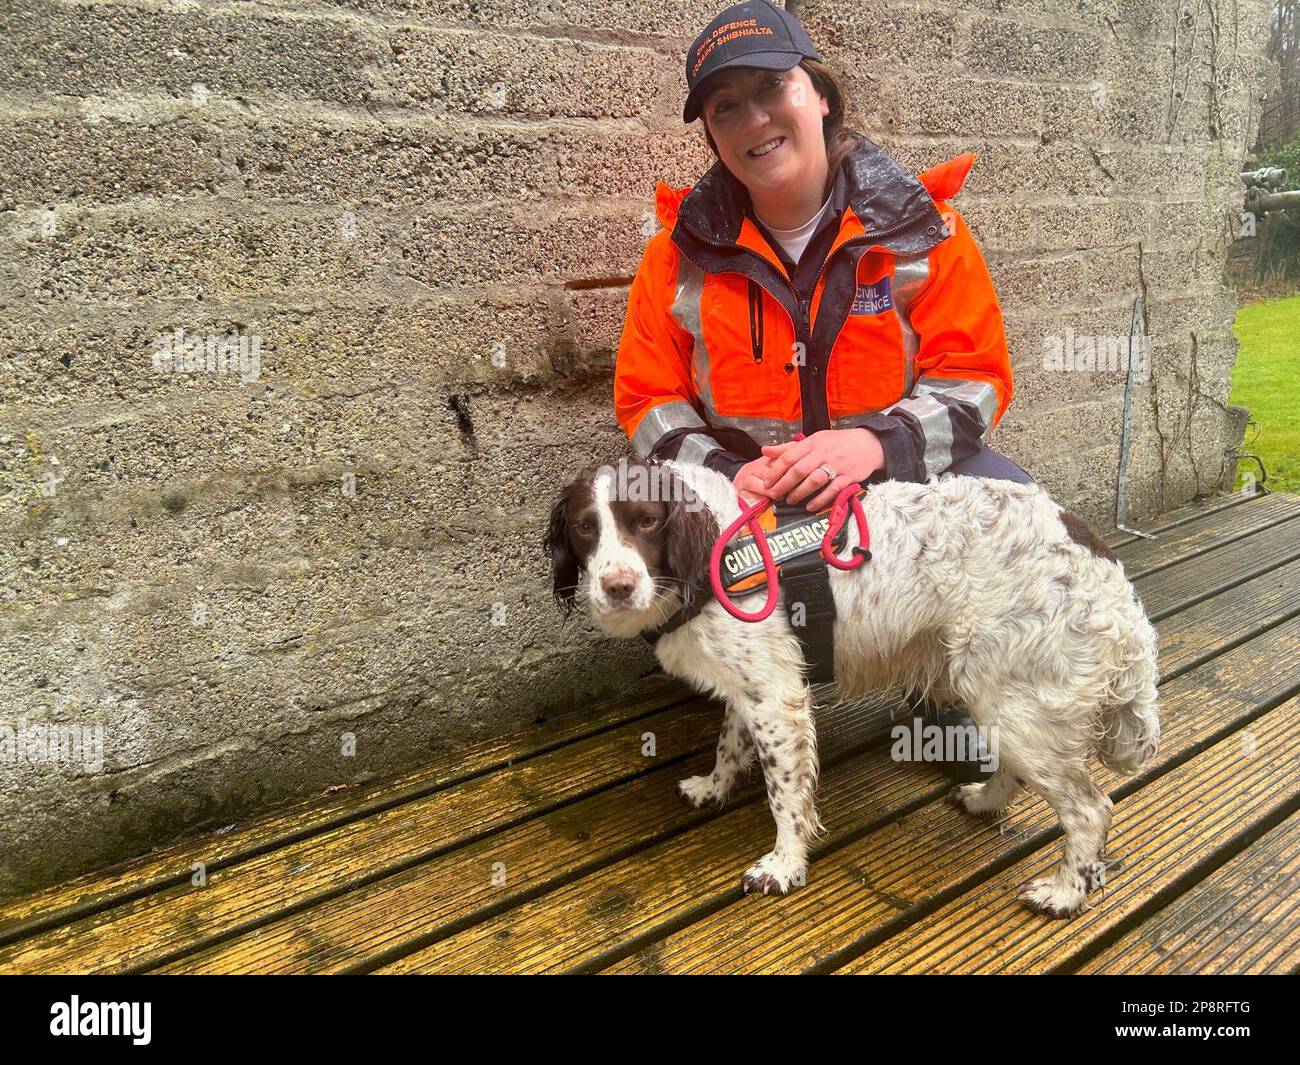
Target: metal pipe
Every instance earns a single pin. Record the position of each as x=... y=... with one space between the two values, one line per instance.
x=1262 y=202
x=1136 y=342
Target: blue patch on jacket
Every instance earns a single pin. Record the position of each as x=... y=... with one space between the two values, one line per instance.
x=873 y=299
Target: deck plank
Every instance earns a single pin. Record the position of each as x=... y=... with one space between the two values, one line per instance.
x=171 y=865
x=1215 y=625
x=1171 y=519
x=1167 y=830
x=579 y=926
x=1194 y=579
x=432 y=899
x=1207 y=532
x=1242 y=919
x=147 y=930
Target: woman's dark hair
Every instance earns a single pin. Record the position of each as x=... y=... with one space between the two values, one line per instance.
x=840 y=138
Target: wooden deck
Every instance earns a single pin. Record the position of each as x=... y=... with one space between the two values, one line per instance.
x=565 y=849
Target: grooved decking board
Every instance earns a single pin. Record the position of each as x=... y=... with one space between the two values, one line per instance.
x=1209 y=531
x=149 y=929
x=1242 y=919
x=643 y=897
x=86 y=893
x=1171 y=519
x=431 y=898
x=1223 y=566
x=434 y=897
x=669 y=882
x=1189 y=818
x=1212 y=626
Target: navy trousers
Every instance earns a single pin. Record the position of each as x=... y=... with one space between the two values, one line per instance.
x=989 y=463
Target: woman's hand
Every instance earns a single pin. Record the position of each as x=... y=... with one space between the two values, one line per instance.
x=751 y=479
x=799 y=470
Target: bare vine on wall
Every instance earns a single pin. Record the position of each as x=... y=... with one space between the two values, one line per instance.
x=1204 y=58
x=1175 y=427
x=1279 y=120
x=1204 y=62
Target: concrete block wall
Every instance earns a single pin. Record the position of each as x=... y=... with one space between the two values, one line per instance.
x=255 y=586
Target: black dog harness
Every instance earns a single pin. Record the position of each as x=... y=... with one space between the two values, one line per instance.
x=797 y=548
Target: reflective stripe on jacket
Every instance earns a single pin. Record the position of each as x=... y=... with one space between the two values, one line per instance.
x=902 y=333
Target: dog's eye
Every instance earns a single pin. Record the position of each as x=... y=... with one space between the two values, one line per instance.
x=585 y=528
x=649 y=522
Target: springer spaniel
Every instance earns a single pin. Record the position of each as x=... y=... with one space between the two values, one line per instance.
x=979 y=591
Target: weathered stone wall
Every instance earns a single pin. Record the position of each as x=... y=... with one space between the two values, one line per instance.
x=427 y=212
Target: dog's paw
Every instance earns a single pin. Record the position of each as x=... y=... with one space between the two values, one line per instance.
x=1048 y=897
x=699 y=791
x=771 y=875
x=974 y=799
x=1094 y=876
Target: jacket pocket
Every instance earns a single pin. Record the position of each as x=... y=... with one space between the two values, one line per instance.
x=750 y=342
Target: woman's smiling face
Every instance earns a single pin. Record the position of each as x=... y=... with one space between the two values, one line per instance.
x=767 y=125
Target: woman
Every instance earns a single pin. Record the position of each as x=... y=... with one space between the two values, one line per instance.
x=807 y=284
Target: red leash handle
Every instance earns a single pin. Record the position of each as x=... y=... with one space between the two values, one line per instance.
x=748 y=516
x=847 y=498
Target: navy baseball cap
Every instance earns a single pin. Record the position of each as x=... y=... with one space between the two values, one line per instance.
x=752 y=34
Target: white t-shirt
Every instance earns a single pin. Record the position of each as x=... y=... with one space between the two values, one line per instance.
x=795 y=240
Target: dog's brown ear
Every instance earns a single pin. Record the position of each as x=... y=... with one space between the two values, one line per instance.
x=691 y=532
x=564 y=564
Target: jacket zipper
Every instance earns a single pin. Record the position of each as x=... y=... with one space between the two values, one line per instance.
x=854 y=242
x=805 y=306
x=756 y=318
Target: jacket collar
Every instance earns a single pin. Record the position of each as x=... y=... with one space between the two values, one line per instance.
x=884 y=199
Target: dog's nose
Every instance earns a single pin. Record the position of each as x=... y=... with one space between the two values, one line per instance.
x=619 y=584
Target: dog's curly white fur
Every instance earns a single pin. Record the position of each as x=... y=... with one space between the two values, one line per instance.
x=979 y=591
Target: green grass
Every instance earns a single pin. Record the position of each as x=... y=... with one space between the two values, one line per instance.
x=1266 y=381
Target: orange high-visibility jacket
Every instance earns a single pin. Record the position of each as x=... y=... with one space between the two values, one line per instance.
x=902 y=334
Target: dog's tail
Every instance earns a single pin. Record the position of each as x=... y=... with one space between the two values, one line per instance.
x=1130 y=730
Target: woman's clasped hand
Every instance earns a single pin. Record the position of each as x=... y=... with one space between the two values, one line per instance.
x=813 y=470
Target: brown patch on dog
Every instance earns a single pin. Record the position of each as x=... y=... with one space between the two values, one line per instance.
x=566 y=546
x=673 y=538
x=1078 y=531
